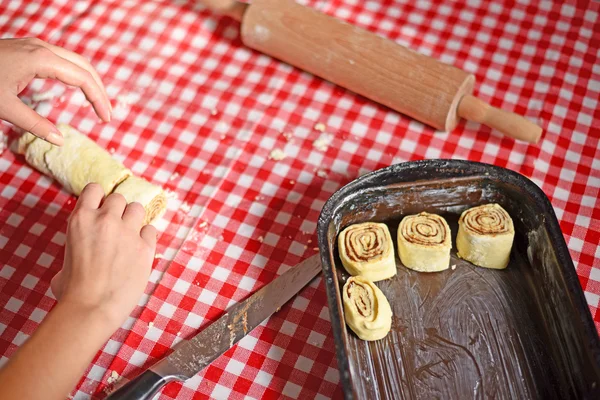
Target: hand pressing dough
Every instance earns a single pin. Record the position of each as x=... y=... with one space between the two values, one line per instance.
x=152 y=197
x=485 y=236
x=366 y=309
x=424 y=242
x=76 y=163
x=80 y=161
x=367 y=250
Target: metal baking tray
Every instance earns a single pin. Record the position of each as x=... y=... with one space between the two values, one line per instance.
x=520 y=333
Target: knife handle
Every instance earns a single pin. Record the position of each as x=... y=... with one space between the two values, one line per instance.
x=143 y=387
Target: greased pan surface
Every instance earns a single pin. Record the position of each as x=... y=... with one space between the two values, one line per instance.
x=465 y=333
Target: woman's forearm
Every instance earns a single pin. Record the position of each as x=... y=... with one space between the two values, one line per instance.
x=50 y=363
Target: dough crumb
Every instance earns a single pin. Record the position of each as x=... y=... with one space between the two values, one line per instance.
x=43 y=96
x=323 y=142
x=261 y=239
x=111 y=150
x=170 y=194
x=202 y=224
x=453 y=267
x=309 y=241
x=305 y=247
x=288 y=136
x=321 y=173
x=174 y=176
x=292 y=182
x=277 y=155
x=150 y=324
x=114 y=376
x=214 y=111
x=124 y=100
x=185 y=207
x=223 y=137
x=158 y=256
x=320 y=127
x=316 y=248
x=178 y=333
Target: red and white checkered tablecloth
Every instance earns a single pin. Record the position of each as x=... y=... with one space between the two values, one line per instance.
x=199 y=113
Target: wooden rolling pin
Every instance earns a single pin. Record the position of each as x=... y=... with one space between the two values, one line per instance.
x=419 y=86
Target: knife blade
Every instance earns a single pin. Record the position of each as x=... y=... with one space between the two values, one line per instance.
x=191 y=356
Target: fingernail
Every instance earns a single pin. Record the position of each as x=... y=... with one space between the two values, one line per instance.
x=55 y=137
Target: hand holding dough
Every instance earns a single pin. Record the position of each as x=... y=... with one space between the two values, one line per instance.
x=367 y=250
x=80 y=161
x=485 y=236
x=366 y=310
x=424 y=242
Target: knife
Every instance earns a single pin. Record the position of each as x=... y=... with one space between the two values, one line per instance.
x=191 y=356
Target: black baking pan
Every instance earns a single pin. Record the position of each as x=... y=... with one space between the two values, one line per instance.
x=465 y=333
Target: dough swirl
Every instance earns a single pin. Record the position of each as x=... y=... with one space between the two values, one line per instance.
x=485 y=236
x=367 y=250
x=366 y=309
x=424 y=242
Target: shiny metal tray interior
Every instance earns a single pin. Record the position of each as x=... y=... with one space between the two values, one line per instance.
x=469 y=332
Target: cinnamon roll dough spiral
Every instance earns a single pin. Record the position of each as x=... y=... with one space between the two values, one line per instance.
x=367 y=250
x=424 y=242
x=366 y=309
x=485 y=236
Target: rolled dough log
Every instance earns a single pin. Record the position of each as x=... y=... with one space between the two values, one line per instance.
x=366 y=309
x=424 y=242
x=76 y=163
x=80 y=161
x=485 y=236
x=367 y=250
x=152 y=197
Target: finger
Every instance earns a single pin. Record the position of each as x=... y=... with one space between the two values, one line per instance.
x=91 y=197
x=55 y=67
x=148 y=233
x=115 y=204
x=56 y=285
x=13 y=110
x=81 y=62
x=134 y=215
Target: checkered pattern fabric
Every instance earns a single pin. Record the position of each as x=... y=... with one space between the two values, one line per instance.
x=200 y=114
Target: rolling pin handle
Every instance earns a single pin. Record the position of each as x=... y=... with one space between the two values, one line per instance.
x=473 y=109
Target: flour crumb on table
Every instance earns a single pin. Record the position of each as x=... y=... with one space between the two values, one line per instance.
x=321 y=173
x=124 y=100
x=174 y=176
x=202 y=224
x=214 y=111
x=277 y=155
x=288 y=136
x=261 y=239
x=150 y=324
x=170 y=194
x=158 y=256
x=43 y=96
x=453 y=267
x=111 y=150
x=185 y=207
x=114 y=376
x=323 y=142
x=320 y=127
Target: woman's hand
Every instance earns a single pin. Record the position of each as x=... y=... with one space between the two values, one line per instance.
x=108 y=256
x=22 y=60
